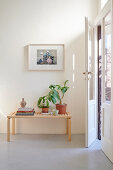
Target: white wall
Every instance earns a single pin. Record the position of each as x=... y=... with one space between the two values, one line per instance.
x=42 y=21
x=99 y=6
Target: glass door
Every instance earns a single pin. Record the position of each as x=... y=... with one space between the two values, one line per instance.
x=107 y=145
x=90 y=133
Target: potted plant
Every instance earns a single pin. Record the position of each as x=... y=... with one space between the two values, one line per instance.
x=43 y=102
x=56 y=96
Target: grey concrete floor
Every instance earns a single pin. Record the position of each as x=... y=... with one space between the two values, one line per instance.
x=51 y=152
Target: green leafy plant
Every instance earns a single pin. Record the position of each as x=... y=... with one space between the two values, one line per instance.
x=57 y=92
x=43 y=102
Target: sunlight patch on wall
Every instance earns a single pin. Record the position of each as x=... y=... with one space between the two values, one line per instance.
x=73 y=70
x=2 y=114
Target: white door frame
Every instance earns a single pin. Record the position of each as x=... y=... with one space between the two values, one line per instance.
x=108 y=7
x=103 y=12
x=112 y=78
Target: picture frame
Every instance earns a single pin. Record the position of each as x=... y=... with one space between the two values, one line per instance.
x=46 y=57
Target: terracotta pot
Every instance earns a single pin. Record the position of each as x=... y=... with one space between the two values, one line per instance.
x=61 y=108
x=44 y=110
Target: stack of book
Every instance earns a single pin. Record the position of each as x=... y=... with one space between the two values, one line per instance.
x=25 y=112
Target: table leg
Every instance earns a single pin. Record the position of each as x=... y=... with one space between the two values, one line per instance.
x=69 y=129
x=13 y=126
x=8 y=130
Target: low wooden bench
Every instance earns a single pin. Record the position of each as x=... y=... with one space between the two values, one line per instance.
x=13 y=116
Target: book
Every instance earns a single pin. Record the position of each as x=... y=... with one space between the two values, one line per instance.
x=25 y=110
x=25 y=114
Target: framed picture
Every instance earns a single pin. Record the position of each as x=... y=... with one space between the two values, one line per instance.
x=46 y=57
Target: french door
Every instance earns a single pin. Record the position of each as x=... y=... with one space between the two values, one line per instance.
x=90 y=134
x=107 y=81
x=106 y=20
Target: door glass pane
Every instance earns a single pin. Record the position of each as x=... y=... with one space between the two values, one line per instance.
x=103 y=2
x=91 y=63
x=107 y=64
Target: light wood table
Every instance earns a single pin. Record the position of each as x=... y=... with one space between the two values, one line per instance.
x=13 y=116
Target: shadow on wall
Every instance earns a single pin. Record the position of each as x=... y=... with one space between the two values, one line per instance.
x=74 y=68
x=75 y=97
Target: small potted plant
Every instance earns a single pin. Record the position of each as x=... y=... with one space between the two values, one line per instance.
x=43 y=102
x=56 y=96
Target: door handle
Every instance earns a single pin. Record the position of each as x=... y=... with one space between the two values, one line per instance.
x=88 y=72
x=84 y=73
